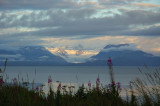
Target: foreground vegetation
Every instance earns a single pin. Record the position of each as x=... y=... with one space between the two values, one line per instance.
x=141 y=93
x=20 y=96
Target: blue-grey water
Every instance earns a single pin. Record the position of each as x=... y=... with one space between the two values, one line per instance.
x=75 y=74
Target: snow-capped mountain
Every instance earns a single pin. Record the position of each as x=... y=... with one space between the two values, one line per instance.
x=31 y=55
x=122 y=55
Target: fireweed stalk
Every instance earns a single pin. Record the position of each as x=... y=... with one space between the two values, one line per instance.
x=50 y=81
x=98 y=83
x=89 y=85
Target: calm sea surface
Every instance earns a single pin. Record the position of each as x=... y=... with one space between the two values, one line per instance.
x=75 y=75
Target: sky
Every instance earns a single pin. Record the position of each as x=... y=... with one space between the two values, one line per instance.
x=80 y=28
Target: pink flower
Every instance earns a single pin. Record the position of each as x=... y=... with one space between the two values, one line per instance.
x=98 y=80
x=118 y=85
x=49 y=80
x=97 y=83
x=109 y=62
x=89 y=84
x=113 y=83
x=59 y=86
x=37 y=88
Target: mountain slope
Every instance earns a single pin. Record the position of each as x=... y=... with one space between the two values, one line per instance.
x=32 y=55
x=125 y=57
x=122 y=55
x=37 y=53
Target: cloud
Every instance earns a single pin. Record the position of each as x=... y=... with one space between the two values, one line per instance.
x=151 y=31
x=81 y=23
x=36 y=4
x=145 y=5
x=44 y=19
x=120 y=47
x=79 y=47
x=117 y=3
x=58 y=20
x=61 y=4
x=71 y=54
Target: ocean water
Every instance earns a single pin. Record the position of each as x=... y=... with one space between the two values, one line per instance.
x=75 y=75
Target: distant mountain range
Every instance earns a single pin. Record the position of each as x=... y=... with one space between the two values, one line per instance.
x=121 y=56
x=31 y=55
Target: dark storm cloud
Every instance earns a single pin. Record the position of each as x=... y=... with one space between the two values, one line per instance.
x=61 y=4
x=55 y=18
x=58 y=21
x=80 y=22
x=35 y=4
